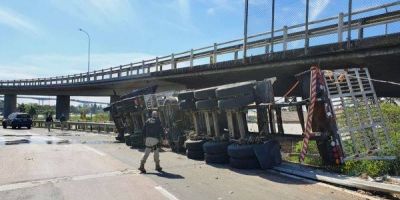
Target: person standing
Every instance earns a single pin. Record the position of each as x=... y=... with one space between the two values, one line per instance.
x=63 y=120
x=49 y=121
x=152 y=132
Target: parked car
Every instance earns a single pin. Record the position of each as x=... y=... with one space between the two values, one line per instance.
x=18 y=119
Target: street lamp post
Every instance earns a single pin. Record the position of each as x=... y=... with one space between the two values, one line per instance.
x=88 y=66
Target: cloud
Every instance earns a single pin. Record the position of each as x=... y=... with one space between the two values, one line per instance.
x=17 y=21
x=317 y=7
x=100 y=12
x=40 y=66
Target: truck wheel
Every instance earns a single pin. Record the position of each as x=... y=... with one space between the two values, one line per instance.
x=195 y=155
x=235 y=89
x=237 y=102
x=251 y=163
x=207 y=93
x=207 y=104
x=194 y=145
x=215 y=147
x=4 y=126
x=187 y=95
x=216 y=158
x=241 y=151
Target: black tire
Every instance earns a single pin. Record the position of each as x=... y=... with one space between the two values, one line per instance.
x=207 y=104
x=187 y=95
x=235 y=89
x=216 y=158
x=195 y=155
x=28 y=127
x=187 y=105
x=251 y=163
x=194 y=145
x=237 y=102
x=127 y=139
x=4 y=126
x=241 y=151
x=207 y=93
x=215 y=147
x=268 y=154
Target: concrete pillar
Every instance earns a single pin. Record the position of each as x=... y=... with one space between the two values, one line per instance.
x=62 y=106
x=10 y=104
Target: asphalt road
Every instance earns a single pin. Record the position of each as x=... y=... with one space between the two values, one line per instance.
x=35 y=164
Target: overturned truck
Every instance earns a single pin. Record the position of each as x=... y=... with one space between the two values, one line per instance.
x=338 y=109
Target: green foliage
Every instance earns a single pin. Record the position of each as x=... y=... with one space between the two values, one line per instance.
x=312 y=147
x=21 y=108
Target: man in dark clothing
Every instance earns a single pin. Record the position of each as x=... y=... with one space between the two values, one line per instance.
x=49 y=120
x=63 y=120
x=152 y=131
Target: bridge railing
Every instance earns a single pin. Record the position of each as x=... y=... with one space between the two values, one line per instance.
x=79 y=126
x=259 y=43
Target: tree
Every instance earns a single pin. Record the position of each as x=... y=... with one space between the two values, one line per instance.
x=21 y=107
x=32 y=111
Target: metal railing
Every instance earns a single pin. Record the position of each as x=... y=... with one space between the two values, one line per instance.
x=283 y=36
x=79 y=126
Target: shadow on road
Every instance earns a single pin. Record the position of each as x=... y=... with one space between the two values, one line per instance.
x=168 y=175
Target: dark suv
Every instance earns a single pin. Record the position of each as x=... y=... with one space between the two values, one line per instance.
x=18 y=120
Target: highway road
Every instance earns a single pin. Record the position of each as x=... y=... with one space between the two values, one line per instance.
x=35 y=164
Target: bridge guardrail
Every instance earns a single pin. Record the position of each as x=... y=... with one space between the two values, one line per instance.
x=283 y=36
x=79 y=126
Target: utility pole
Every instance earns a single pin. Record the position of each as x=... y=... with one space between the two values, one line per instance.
x=246 y=14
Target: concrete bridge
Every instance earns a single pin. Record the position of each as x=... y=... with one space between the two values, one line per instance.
x=271 y=54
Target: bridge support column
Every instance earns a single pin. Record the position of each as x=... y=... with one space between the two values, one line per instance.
x=10 y=104
x=62 y=106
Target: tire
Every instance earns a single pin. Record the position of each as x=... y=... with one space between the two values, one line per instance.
x=195 y=155
x=241 y=151
x=235 y=89
x=207 y=104
x=186 y=95
x=28 y=127
x=13 y=127
x=251 y=163
x=207 y=93
x=187 y=105
x=237 y=102
x=127 y=139
x=5 y=126
x=268 y=154
x=215 y=147
x=216 y=158
x=194 y=145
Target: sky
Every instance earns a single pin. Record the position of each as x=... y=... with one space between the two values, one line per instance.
x=40 y=38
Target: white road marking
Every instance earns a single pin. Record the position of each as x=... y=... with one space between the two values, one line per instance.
x=166 y=193
x=30 y=184
x=94 y=150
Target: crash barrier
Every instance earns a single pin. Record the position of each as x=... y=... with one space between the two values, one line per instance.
x=79 y=126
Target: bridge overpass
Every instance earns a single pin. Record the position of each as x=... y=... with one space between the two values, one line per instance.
x=272 y=53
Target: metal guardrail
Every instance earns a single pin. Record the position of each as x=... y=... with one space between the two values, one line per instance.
x=282 y=36
x=79 y=126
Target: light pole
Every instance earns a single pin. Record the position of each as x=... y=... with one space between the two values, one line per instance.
x=88 y=65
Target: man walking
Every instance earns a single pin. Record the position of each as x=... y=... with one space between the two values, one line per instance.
x=49 y=120
x=62 y=121
x=152 y=131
